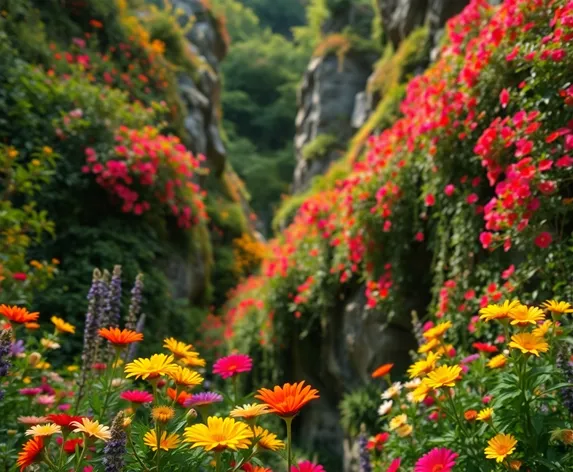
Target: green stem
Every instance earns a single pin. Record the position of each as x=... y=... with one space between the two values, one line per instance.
x=109 y=382
x=81 y=457
x=135 y=454
x=235 y=390
x=288 y=422
x=218 y=461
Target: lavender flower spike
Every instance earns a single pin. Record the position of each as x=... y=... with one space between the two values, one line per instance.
x=115 y=449
x=5 y=352
x=363 y=452
x=135 y=305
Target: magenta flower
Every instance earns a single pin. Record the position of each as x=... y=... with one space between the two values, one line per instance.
x=203 y=398
x=394 y=466
x=30 y=391
x=441 y=459
x=137 y=396
x=307 y=466
x=232 y=365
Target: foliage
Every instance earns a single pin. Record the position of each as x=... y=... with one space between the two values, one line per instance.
x=358 y=409
x=320 y=147
x=279 y=15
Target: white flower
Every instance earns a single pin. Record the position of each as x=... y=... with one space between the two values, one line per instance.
x=393 y=391
x=413 y=383
x=410 y=397
x=385 y=407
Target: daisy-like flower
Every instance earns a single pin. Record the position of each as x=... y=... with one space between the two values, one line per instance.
x=33 y=325
x=62 y=326
x=267 y=440
x=64 y=420
x=528 y=343
x=44 y=430
x=194 y=360
x=30 y=391
x=287 y=401
x=162 y=414
x=177 y=348
x=423 y=366
x=219 y=434
x=498 y=312
x=307 y=466
x=232 y=365
x=71 y=444
x=444 y=376
x=150 y=368
x=411 y=384
x=32 y=420
x=420 y=393
x=185 y=376
x=392 y=391
x=248 y=467
x=405 y=430
x=49 y=344
x=542 y=329
x=485 y=347
x=470 y=415
x=398 y=421
x=381 y=371
x=249 y=411
x=441 y=459
x=120 y=337
x=46 y=400
x=394 y=465
x=500 y=446
x=522 y=315
x=30 y=451
x=92 y=429
x=203 y=398
x=18 y=314
x=137 y=396
x=437 y=331
x=558 y=308
x=485 y=414
x=166 y=442
x=385 y=407
x=181 y=396
x=429 y=346
x=498 y=361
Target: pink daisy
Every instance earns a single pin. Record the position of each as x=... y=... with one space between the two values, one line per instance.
x=31 y=391
x=307 y=466
x=438 y=459
x=232 y=365
x=46 y=399
x=394 y=466
x=137 y=396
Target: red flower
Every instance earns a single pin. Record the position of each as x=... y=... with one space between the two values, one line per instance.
x=543 y=240
x=449 y=190
x=504 y=98
x=419 y=236
x=378 y=441
x=394 y=466
x=64 y=420
x=20 y=276
x=430 y=200
x=484 y=347
x=472 y=198
x=485 y=239
x=70 y=445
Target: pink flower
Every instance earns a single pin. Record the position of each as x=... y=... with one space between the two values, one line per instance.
x=394 y=466
x=20 y=276
x=232 y=365
x=46 y=399
x=307 y=466
x=507 y=273
x=31 y=391
x=438 y=459
x=419 y=236
x=504 y=98
x=430 y=200
x=449 y=190
x=472 y=198
x=543 y=240
x=485 y=239
x=137 y=396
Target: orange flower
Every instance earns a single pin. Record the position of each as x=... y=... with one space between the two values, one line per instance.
x=18 y=314
x=30 y=450
x=382 y=370
x=120 y=337
x=287 y=401
x=470 y=415
x=96 y=24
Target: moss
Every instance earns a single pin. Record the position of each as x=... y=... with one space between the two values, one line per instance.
x=320 y=147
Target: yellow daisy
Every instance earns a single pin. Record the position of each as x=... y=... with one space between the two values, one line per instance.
x=62 y=326
x=522 y=315
x=267 y=440
x=430 y=345
x=185 y=376
x=249 y=411
x=162 y=414
x=500 y=446
x=404 y=430
x=194 y=360
x=438 y=331
x=423 y=366
x=558 y=308
x=166 y=442
x=150 y=368
x=444 y=376
x=398 y=421
x=498 y=361
x=44 y=430
x=219 y=434
x=485 y=414
x=542 y=329
x=529 y=343
x=498 y=312
x=179 y=349
x=92 y=429
x=421 y=392
x=49 y=344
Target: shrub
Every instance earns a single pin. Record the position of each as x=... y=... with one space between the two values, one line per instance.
x=320 y=147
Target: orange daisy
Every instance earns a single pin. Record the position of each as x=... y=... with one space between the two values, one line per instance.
x=29 y=452
x=382 y=370
x=287 y=401
x=18 y=314
x=120 y=337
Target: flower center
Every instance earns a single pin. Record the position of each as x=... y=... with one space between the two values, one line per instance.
x=438 y=468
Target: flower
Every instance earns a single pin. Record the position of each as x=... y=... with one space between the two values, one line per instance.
x=184 y=376
x=484 y=347
x=115 y=449
x=542 y=329
x=18 y=314
x=421 y=391
x=437 y=331
x=32 y=420
x=219 y=434
x=232 y=365
x=498 y=361
x=287 y=400
x=385 y=407
x=543 y=240
x=181 y=396
x=498 y=312
x=44 y=430
x=29 y=452
x=500 y=446
x=162 y=413
x=307 y=466
x=120 y=337
x=378 y=441
x=470 y=415
x=529 y=343
x=150 y=368
x=45 y=399
x=30 y=391
x=203 y=398
x=381 y=371
x=62 y=326
x=438 y=459
x=179 y=349
x=522 y=315
x=194 y=360
x=398 y=421
x=92 y=429
x=443 y=376
x=70 y=445
x=63 y=420
x=249 y=411
x=423 y=366
x=267 y=440
x=392 y=391
x=485 y=414
x=404 y=430
x=137 y=396
x=166 y=442
x=394 y=465
x=558 y=308
x=431 y=344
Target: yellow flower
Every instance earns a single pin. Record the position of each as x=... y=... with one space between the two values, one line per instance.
x=162 y=413
x=438 y=331
x=496 y=362
x=62 y=326
x=194 y=360
x=421 y=391
x=92 y=429
x=249 y=411
x=558 y=308
x=404 y=430
x=12 y=153
x=219 y=434
x=187 y=377
x=150 y=368
x=542 y=329
x=49 y=344
x=166 y=442
x=428 y=346
x=485 y=414
x=36 y=264
x=44 y=430
x=444 y=376
x=47 y=150
x=498 y=312
x=72 y=368
x=267 y=440
x=529 y=343
x=178 y=348
x=423 y=366
x=157 y=46
x=500 y=446
x=398 y=421
x=43 y=365
x=522 y=315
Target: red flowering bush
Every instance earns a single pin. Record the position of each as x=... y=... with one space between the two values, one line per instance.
x=146 y=168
